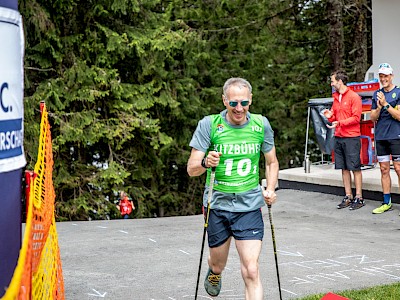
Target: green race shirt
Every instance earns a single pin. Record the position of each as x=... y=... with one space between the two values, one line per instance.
x=238 y=170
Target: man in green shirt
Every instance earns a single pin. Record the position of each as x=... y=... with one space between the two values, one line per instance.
x=232 y=142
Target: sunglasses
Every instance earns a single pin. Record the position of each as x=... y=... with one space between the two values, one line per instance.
x=242 y=103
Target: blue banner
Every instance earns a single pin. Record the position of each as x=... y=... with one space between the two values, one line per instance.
x=11 y=88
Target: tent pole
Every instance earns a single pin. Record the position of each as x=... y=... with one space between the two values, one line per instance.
x=308 y=127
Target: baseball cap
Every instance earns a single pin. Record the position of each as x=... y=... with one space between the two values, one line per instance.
x=385 y=68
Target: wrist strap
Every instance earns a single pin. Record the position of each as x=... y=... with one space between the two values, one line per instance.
x=203 y=163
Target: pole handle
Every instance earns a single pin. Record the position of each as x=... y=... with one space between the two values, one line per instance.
x=264 y=185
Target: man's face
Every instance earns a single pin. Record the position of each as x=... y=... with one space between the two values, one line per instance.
x=336 y=84
x=386 y=80
x=237 y=102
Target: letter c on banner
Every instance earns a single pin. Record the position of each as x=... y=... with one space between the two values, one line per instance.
x=3 y=86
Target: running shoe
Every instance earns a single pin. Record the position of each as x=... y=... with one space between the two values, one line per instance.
x=381 y=209
x=357 y=203
x=345 y=202
x=212 y=283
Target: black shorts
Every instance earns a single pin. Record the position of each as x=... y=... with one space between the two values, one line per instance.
x=386 y=148
x=347 y=153
x=241 y=225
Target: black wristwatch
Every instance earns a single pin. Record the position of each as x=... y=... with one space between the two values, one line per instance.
x=386 y=106
x=203 y=163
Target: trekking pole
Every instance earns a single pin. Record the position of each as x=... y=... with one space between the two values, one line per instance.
x=264 y=184
x=210 y=190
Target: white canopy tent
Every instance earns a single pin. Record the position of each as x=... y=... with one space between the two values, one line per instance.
x=385 y=37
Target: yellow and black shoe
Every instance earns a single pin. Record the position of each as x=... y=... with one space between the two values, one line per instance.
x=381 y=209
x=212 y=283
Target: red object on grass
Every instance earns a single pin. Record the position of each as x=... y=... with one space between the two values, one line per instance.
x=332 y=296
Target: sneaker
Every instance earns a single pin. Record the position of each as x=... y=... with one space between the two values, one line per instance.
x=381 y=209
x=345 y=202
x=357 y=203
x=212 y=283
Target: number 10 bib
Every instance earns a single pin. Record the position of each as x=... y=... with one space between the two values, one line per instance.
x=237 y=171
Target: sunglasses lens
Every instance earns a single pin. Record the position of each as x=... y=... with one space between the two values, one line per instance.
x=235 y=103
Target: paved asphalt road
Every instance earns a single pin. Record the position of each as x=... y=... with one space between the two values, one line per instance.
x=320 y=249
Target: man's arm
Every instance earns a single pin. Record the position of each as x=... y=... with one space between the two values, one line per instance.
x=194 y=167
x=271 y=174
x=329 y=115
x=375 y=114
x=395 y=113
x=375 y=107
x=200 y=143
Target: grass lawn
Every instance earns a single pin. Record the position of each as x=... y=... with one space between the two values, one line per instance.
x=383 y=292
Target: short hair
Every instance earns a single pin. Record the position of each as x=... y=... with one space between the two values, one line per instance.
x=341 y=75
x=236 y=81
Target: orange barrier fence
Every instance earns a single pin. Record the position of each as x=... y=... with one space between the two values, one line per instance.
x=38 y=274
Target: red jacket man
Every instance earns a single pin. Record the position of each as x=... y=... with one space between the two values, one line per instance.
x=347 y=112
x=345 y=116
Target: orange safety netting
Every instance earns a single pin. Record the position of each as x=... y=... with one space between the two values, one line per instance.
x=38 y=274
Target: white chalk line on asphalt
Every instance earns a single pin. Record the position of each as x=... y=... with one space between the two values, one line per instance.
x=230 y=297
x=198 y=296
x=98 y=294
x=290 y=253
x=289 y=292
x=226 y=294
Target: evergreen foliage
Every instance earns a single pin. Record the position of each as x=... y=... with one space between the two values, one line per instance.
x=126 y=82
